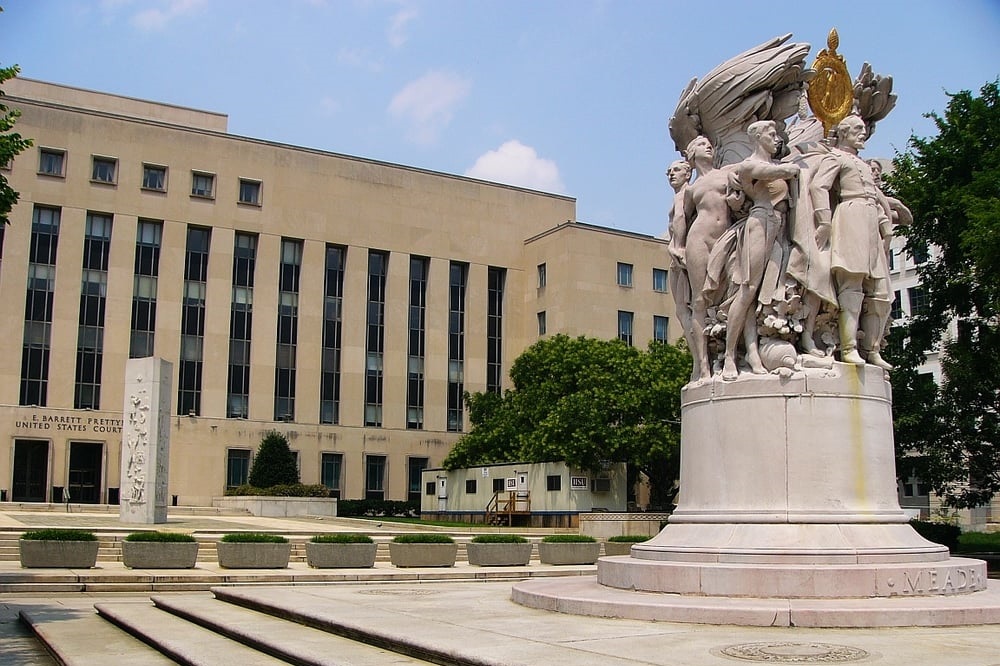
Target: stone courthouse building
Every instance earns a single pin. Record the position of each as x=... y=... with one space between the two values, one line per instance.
x=345 y=302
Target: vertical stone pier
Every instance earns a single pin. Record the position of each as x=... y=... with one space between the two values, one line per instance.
x=145 y=441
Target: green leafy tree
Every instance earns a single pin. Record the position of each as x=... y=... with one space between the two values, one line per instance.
x=11 y=144
x=586 y=402
x=274 y=463
x=950 y=434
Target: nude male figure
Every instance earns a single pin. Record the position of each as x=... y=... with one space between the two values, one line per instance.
x=678 y=175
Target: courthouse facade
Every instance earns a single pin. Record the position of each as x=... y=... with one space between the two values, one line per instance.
x=345 y=302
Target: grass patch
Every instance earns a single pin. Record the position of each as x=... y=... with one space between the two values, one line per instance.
x=252 y=537
x=341 y=538
x=160 y=537
x=629 y=538
x=499 y=538
x=423 y=538
x=59 y=535
x=979 y=542
x=412 y=521
x=568 y=538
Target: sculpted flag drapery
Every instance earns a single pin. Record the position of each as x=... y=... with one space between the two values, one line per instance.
x=778 y=243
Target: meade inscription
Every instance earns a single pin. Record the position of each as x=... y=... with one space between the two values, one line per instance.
x=65 y=423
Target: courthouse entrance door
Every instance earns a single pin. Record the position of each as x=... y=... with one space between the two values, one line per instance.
x=31 y=469
x=85 y=472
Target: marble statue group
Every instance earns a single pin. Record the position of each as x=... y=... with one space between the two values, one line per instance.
x=779 y=231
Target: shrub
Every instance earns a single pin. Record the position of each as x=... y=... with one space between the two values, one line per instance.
x=629 y=538
x=274 y=463
x=979 y=542
x=377 y=508
x=423 y=538
x=282 y=490
x=568 y=538
x=341 y=538
x=499 y=538
x=59 y=535
x=253 y=537
x=942 y=533
x=160 y=537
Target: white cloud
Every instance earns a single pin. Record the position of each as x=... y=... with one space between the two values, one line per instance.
x=396 y=32
x=514 y=163
x=428 y=104
x=158 y=17
x=329 y=106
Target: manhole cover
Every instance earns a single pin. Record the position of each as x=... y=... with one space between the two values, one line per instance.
x=795 y=653
x=397 y=593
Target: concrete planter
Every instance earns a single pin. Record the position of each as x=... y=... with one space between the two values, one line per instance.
x=36 y=554
x=423 y=554
x=568 y=553
x=253 y=555
x=279 y=507
x=341 y=555
x=159 y=554
x=618 y=547
x=499 y=554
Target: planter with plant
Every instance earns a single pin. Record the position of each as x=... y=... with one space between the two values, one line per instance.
x=341 y=551
x=423 y=550
x=56 y=548
x=159 y=550
x=622 y=545
x=499 y=550
x=253 y=550
x=568 y=549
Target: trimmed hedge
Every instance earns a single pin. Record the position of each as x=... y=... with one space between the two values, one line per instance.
x=423 y=538
x=377 y=508
x=499 y=538
x=59 y=535
x=568 y=538
x=285 y=490
x=942 y=533
x=253 y=537
x=341 y=538
x=160 y=537
x=630 y=538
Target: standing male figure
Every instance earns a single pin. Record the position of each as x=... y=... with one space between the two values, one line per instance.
x=844 y=184
x=678 y=175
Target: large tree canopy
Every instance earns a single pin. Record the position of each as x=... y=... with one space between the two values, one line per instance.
x=11 y=143
x=587 y=402
x=950 y=434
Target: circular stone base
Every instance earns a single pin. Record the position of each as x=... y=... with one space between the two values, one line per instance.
x=583 y=595
x=954 y=576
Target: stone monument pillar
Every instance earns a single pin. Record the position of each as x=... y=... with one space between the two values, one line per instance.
x=145 y=441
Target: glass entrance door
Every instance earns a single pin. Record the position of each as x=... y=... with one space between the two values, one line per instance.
x=85 y=472
x=31 y=468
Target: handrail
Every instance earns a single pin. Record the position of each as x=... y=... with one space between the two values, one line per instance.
x=516 y=503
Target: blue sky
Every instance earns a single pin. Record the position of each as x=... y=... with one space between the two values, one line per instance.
x=568 y=96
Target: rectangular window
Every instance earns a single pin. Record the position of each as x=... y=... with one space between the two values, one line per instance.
x=553 y=482
x=154 y=177
x=625 y=326
x=660 y=282
x=458 y=276
x=147 y=266
x=660 y=326
x=920 y=255
x=288 y=326
x=375 y=477
x=237 y=467
x=541 y=275
x=51 y=162
x=93 y=298
x=470 y=487
x=104 y=170
x=331 y=466
x=541 y=323
x=498 y=486
x=240 y=325
x=416 y=342
x=496 y=279
x=897 y=306
x=892 y=260
x=329 y=406
x=378 y=267
x=918 y=301
x=416 y=467
x=39 y=299
x=430 y=488
x=249 y=191
x=202 y=184
x=190 y=366
x=624 y=275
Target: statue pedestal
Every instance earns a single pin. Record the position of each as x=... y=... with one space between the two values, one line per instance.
x=788 y=497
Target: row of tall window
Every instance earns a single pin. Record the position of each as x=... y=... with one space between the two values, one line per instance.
x=104 y=170
x=149 y=234
x=625 y=324
x=623 y=277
